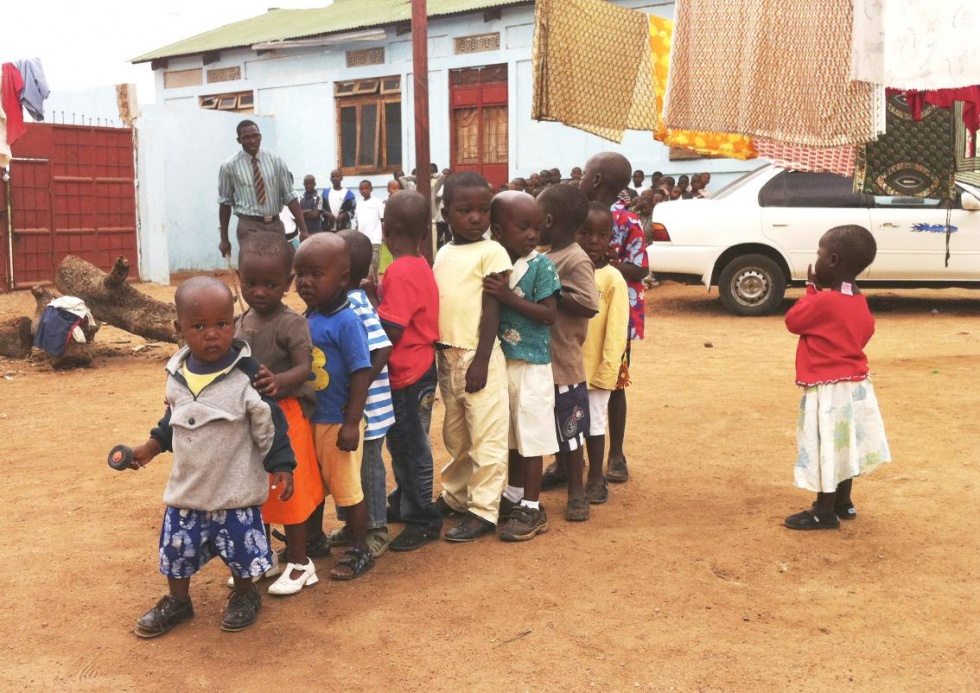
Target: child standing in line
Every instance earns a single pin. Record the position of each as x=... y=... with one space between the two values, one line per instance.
x=226 y=439
x=280 y=340
x=565 y=210
x=471 y=367
x=378 y=410
x=408 y=305
x=341 y=375
x=528 y=307
x=839 y=431
x=368 y=217
x=605 y=342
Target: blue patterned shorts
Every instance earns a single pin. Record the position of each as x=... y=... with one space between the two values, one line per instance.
x=191 y=538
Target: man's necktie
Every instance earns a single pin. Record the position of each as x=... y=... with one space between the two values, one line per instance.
x=259 y=181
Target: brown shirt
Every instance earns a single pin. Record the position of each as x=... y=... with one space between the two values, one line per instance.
x=577 y=276
x=272 y=346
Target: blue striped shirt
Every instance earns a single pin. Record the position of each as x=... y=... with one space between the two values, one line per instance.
x=236 y=184
x=378 y=410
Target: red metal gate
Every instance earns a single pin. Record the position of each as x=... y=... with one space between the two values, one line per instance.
x=478 y=122
x=72 y=190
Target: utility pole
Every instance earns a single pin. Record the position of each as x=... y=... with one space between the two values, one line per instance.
x=420 y=72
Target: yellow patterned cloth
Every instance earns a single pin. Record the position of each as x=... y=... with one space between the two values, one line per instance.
x=778 y=69
x=707 y=143
x=593 y=68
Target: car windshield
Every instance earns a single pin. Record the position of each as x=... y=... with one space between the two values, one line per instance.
x=738 y=183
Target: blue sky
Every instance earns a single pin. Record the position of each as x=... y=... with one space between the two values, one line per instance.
x=88 y=43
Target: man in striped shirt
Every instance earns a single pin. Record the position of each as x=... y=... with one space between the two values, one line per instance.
x=255 y=185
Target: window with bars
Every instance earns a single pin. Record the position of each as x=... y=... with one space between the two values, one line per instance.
x=369 y=125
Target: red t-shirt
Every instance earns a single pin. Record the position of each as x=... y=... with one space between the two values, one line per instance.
x=410 y=300
x=834 y=328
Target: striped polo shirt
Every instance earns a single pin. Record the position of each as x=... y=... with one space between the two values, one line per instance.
x=236 y=184
x=378 y=410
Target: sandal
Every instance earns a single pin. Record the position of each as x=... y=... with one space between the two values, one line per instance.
x=357 y=561
x=811 y=520
x=378 y=540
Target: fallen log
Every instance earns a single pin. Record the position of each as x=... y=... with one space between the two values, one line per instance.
x=15 y=337
x=76 y=354
x=113 y=301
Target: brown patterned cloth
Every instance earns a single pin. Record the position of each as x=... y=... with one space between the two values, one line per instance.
x=593 y=68
x=778 y=69
x=915 y=158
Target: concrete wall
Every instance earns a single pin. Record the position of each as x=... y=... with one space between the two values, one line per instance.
x=295 y=86
x=179 y=154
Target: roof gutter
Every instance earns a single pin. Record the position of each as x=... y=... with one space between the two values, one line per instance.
x=333 y=39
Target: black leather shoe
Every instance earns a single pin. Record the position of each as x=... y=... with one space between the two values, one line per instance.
x=413 y=537
x=168 y=612
x=470 y=529
x=243 y=610
x=445 y=509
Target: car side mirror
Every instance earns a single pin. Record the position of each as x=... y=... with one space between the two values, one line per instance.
x=968 y=201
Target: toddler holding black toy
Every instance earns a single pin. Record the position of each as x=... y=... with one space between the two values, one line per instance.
x=839 y=430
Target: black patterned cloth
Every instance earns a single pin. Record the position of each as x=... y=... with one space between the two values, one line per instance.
x=914 y=158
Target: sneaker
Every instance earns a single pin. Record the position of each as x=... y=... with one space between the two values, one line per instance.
x=577 y=510
x=243 y=610
x=338 y=537
x=597 y=492
x=378 y=540
x=470 y=528
x=168 y=613
x=506 y=507
x=286 y=585
x=413 y=537
x=617 y=471
x=810 y=520
x=524 y=523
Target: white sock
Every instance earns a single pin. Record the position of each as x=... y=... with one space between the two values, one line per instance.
x=534 y=505
x=514 y=493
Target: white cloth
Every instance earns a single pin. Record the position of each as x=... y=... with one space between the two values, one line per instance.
x=335 y=198
x=916 y=44
x=531 y=390
x=75 y=306
x=598 y=411
x=839 y=434
x=367 y=218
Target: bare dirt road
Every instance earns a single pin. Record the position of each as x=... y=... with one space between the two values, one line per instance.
x=685 y=580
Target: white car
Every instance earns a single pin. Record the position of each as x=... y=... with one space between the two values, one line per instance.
x=756 y=236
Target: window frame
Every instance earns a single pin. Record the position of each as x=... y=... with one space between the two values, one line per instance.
x=367 y=92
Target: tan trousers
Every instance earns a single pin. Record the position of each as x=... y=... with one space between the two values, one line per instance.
x=475 y=433
x=247 y=226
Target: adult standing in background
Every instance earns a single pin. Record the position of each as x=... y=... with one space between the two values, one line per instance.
x=255 y=185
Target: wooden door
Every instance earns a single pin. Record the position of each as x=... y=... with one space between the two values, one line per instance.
x=479 y=122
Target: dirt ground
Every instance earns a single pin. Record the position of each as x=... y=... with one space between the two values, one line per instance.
x=685 y=580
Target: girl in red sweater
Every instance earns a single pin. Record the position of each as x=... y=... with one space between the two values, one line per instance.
x=839 y=432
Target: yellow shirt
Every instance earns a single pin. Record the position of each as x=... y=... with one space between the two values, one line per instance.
x=198 y=381
x=605 y=342
x=459 y=271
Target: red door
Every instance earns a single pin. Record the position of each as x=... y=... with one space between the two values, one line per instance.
x=72 y=191
x=478 y=122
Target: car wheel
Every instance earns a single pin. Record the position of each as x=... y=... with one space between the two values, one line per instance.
x=752 y=285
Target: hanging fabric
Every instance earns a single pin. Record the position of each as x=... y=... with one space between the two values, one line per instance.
x=35 y=87
x=5 y=153
x=11 y=85
x=761 y=68
x=592 y=67
x=704 y=143
x=914 y=158
x=916 y=44
x=839 y=160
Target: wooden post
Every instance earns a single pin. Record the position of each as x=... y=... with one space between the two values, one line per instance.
x=420 y=71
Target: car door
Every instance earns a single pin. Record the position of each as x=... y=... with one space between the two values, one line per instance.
x=911 y=236
x=798 y=207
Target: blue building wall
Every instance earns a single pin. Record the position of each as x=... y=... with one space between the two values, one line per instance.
x=294 y=88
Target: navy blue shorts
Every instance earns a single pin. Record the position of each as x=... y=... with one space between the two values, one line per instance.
x=191 y=538
x=571 y=416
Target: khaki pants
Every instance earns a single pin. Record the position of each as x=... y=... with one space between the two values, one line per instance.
x=247 y=226
x=475 y=433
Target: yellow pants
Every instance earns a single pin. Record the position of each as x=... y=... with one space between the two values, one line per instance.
x=475 y=433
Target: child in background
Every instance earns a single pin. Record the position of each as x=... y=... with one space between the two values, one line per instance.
x=280 y=341
x=604 y=343
x=839 y=431
x=378 y=410
x=565 y=210
x=408 y=305
x=339 y=204
x=471 y=367
x=312 y=205
x=368 y=216
x=226 y=439
x=528 y=306
x=341 y=375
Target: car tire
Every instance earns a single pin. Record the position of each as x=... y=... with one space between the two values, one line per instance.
x=752 y=285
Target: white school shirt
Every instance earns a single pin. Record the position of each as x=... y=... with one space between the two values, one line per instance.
x=368 y=215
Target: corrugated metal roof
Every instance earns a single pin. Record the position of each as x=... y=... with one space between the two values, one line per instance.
x=342 y=15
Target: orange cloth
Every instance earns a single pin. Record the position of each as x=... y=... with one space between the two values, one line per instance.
x=307 y=485
x=709 y=143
